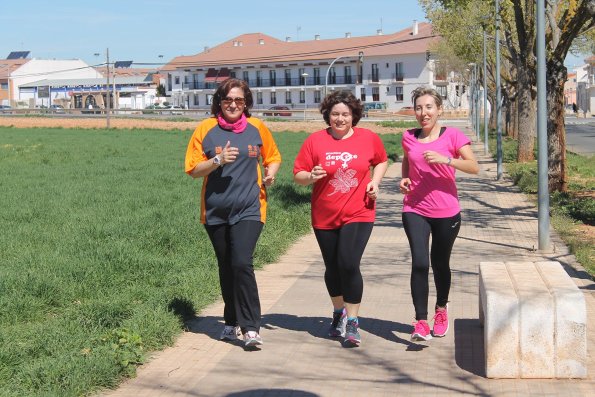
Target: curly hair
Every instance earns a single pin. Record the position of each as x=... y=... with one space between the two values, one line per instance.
x=421 y=91
x=345 y=97
x=224 y=89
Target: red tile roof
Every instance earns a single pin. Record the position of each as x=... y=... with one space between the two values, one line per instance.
x=9 y=66
x=260 y=48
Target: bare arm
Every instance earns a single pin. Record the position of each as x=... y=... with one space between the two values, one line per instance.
x=306 y=178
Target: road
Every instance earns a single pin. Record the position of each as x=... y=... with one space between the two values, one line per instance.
x=580 y=136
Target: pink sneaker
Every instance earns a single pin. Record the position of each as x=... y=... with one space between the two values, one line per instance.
x=421 y=331
x=440 y=322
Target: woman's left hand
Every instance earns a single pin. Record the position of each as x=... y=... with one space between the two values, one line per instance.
x=372 y=190
x=432 y=157
x=268 y=179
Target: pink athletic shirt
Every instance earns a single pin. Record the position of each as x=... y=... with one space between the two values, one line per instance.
x=433 y=189
x=340 y=197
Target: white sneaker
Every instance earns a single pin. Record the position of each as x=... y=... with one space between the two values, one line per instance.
x=251 y=338
x=230 y=333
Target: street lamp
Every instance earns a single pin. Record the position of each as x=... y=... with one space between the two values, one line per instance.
x=305 y=76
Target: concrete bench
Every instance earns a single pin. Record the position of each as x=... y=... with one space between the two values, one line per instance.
x=534 y=319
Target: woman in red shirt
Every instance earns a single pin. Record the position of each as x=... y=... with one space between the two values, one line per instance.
x=337 y=162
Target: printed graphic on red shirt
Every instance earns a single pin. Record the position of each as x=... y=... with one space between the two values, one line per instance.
x=344 y=157
x=343 y=181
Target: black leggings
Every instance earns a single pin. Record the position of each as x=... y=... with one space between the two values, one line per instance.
x=234 y=247
x=342 y=251
x=444 y=232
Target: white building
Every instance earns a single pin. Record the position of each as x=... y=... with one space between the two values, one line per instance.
x=41 y=69
x=382 y=70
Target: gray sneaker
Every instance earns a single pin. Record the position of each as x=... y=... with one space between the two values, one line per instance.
x=337 y=327
x=230 y=333
x=251 y=339
x=352 y=336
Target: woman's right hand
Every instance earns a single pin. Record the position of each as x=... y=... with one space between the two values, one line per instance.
x=405 y=185
x=317 y=173
x=229 y=154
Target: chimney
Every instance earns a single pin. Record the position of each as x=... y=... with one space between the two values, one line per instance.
x=415 y=28
x=288 y=39
x=235 y=43
x=206 y=48
x=261 y=41
x=317 y=37
x=379 y=32
x=348 y=35
x=240 y=43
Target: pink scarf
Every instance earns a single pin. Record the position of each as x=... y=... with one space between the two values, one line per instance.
x=237 y=127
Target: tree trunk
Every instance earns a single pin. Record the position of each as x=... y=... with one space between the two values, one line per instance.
x=493 y=110
x=556 y=132
x=526 y=116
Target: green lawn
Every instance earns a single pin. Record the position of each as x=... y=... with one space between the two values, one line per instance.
x=103 y=256
x=571 y=212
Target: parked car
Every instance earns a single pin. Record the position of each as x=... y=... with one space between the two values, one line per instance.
x=276 y=111
x=57 y=109
x=176 y=109
x=5 y=109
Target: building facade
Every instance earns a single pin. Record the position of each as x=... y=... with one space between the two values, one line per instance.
x=382 y=70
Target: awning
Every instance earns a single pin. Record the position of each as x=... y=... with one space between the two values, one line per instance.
x=217 y=75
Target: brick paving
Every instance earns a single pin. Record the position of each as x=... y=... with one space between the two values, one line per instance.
x=499 y=224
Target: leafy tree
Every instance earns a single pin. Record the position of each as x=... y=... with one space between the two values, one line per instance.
x=161 y=90
x=566 y=20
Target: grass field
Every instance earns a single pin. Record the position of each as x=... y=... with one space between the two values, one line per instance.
x=103 y=256
x=572 y=212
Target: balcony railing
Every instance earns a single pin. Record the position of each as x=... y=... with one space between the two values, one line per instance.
x=374 y=77
x=279 y=82
x=398 y=77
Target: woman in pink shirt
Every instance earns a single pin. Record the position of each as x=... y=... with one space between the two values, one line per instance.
x=432 y=154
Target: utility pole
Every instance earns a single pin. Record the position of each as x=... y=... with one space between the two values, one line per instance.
x=543 y=198
x=498 y=97
x=485 y=95
x=107 y=91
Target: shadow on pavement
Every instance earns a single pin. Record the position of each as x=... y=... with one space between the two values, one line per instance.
x=469 y=346
x=272 y=392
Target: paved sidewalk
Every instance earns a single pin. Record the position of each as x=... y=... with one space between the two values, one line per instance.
x=298 y=360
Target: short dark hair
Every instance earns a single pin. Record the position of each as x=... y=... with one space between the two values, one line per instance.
x=224 y=89
x=345 y=97
x=421 y=91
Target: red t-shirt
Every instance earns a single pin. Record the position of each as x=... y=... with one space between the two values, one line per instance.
x=340 y=197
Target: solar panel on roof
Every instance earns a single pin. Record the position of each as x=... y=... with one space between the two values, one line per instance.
x=122 y=64
x=18 y=55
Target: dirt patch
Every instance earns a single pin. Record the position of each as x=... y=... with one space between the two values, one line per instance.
x=130 y=123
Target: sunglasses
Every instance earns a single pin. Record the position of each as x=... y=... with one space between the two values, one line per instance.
x=228 y=100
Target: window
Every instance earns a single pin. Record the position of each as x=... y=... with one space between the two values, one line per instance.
x=362 y=94
x=316 y=76
x=4 y=86
x=399 y=71
x=186 y=79
x=287 y=96
x=302 y=96
x=273 y=77
x=375 y=94
x=347 y=73
x=332 y=76
x=259 y=98
x=196 y=101
x=301 y=72
x=316 y=96
x=169 y=82
x=399 y=94
x=442 y=91
x=374 y=73
x=258 y=78
x=273 y=98
x=232 y=74
x=177 y=80
x=287 y=76
x=245 y=77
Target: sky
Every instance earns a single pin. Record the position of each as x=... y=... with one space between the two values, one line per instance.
x=156 y=31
